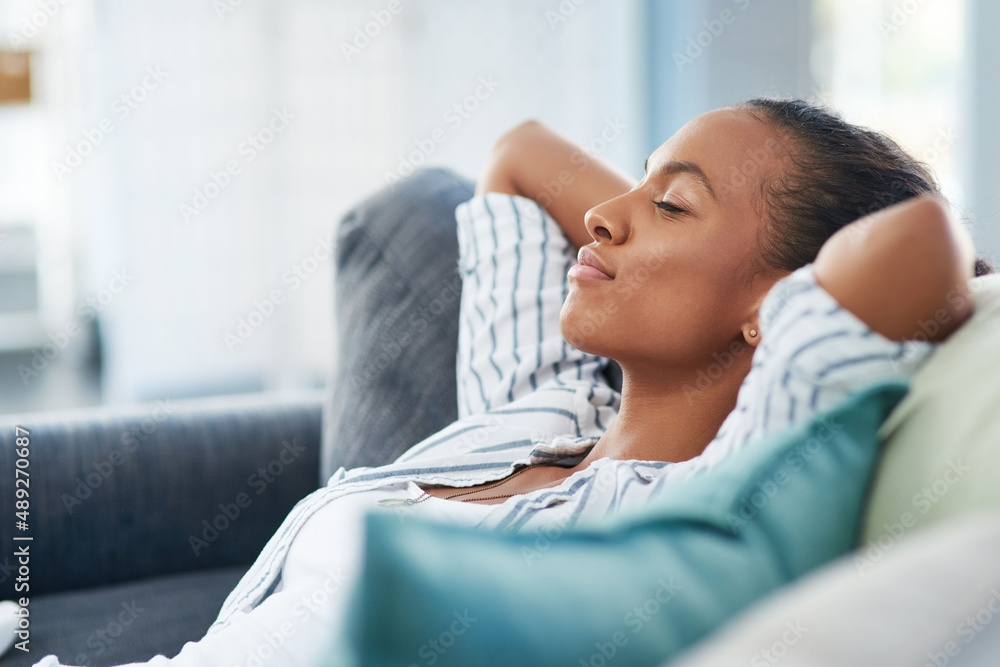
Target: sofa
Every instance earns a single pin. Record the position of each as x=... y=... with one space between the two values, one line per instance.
x=140 y=529
x=143 y=517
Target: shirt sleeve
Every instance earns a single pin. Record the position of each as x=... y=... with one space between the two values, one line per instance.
x=513 y=259
x=813 y=354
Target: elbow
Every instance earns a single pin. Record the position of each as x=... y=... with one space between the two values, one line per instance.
x=940 y=241
x=513 y=138
x=952 y=256
x=504 y=164
x=939 y=257
x=904 y=266
x=922 y=233
x=929 y=218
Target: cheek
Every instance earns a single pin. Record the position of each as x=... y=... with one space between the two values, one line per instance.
x=681 y=312
x=675 y=313
x=666 y=306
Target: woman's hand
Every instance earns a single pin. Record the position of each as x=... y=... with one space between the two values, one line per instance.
x=533 y=161
x=903 y=270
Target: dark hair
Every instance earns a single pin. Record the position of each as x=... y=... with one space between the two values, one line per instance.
x=839 y=173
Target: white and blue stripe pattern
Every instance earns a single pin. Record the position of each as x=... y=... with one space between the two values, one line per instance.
x=513 y=261
x=527 y=396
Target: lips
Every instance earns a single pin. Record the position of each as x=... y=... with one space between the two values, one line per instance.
x=591 y=266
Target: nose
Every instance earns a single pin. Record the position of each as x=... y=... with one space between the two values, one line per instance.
x=608 y=222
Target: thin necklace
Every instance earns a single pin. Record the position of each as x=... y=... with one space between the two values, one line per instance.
x=396 y=502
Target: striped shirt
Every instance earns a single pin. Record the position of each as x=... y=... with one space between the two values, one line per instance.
x=526 y=396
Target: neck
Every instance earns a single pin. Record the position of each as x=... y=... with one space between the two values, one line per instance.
x=669 y=420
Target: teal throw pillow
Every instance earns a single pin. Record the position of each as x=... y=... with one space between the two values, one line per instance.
x=635 y=590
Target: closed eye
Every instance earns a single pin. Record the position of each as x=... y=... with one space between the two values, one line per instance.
x=669 y=207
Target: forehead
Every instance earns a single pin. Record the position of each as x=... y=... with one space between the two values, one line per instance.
x=734 y=148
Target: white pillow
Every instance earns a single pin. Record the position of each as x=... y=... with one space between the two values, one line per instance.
x=912 y=607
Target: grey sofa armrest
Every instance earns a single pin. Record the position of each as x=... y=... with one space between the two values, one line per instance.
x=128 y=492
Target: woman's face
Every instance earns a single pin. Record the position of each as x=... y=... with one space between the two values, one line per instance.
x=678 y=249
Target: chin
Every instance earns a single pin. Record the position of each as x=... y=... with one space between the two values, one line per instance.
x=584 y=331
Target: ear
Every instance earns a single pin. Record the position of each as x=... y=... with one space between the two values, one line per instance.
x=751 y=326
x=751 y=332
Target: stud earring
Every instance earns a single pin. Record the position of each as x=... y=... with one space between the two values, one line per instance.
x=753 y=333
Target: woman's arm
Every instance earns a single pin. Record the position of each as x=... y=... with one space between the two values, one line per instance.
x=535 y=162
x=903 y=270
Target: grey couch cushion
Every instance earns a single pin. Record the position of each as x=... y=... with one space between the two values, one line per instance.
x=397 y=289
x=126 y=622
x=122 y=493
x=397 y=302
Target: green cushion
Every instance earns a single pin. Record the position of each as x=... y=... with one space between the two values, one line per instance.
x=638 y=588
x=942 y=451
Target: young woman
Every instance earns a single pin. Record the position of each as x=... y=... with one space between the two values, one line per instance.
x=729 y=285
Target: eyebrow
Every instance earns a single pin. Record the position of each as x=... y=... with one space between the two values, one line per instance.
x=679 y=167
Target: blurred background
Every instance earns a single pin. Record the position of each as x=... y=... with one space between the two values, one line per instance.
x=171 y=172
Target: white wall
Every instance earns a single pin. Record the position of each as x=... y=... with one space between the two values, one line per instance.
x=711 y=54
x=574 y=66
x=982 y=165
x=221 y=77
